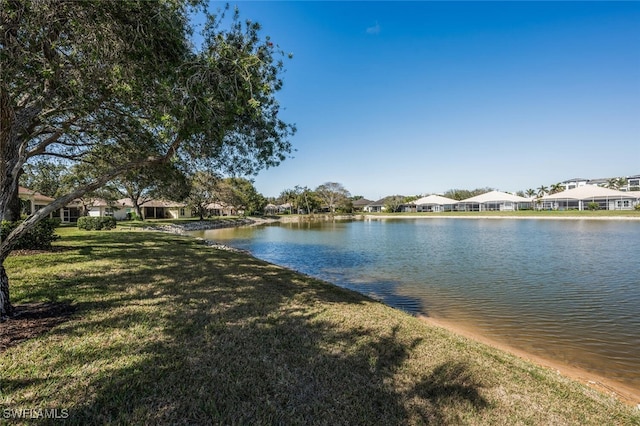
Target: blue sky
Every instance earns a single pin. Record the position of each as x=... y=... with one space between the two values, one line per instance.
x=421 y=97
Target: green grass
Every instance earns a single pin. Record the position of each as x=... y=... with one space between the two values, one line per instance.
x=169 y=331
x=151 y=222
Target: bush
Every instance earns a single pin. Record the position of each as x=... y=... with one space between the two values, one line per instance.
x=89 y=223
x=593 y=206
x=38 y=238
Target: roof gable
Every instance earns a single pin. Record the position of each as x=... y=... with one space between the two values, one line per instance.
x=496 y=196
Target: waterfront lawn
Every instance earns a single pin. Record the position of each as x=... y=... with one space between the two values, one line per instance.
x=165 y=330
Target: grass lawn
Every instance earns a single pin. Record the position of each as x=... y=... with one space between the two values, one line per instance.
x=165 y=330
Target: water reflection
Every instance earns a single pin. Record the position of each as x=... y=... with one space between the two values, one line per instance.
x=569 y=290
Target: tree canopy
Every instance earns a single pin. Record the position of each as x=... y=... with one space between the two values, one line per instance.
x=119 y=85
x=333 y=195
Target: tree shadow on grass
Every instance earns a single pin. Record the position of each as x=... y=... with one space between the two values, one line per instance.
x=201 y=336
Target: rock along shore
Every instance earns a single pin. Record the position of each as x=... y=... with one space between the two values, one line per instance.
x=203 y=225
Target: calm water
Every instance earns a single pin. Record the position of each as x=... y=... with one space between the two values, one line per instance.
x=565 y=290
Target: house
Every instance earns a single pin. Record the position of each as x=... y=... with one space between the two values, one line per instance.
x=633 y=183
x=285 y=208
x=409 y=207
x=222 y=209
x=152 y=209
x=580 y=197
x=270 y=209
x=574 y=183
x=604 y=182
x=360 y=204
x=99 y=208
x=32 y=200
x=494 y=201
x=434 y=203
x=375 y=206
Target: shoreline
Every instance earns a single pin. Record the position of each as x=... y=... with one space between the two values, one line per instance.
x=620 y=391
x=623 y=218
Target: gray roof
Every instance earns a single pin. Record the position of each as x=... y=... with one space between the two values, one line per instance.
x=362 y=202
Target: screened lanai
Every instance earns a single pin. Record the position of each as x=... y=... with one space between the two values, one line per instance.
x=581 y=197
x=494 y=201
x=434 y=203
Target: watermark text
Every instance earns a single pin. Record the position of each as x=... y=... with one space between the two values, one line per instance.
x=34 y=413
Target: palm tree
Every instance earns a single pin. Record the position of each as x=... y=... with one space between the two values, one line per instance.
x=555 y=188
x=530 y=192
x=542 y=191
x=613 y=183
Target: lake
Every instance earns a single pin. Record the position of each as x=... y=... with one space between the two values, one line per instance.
x=565 y=290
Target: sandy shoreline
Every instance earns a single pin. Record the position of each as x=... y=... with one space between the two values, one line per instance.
x=619 y=390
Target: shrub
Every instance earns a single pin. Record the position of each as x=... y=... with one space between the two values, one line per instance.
x=38 y=238
x=593 y=206
x=89 y=223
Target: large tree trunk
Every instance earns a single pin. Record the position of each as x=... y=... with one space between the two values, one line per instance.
x=138 y=210
x=9 y=158
x=12 y=208
x=6 y=310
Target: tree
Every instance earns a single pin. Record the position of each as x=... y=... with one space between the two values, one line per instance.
x=530 y=192
x=617 y=183
x=164 y=180
x=307 y=199
x=463 y=194
x=555 y=188
x=241 y=193
x=44 y=177
x=204 y=191
x=289 y=196
x=119 y=86
x=78 y=175
x=332 y=194
x=393 y=203
x=542 y=191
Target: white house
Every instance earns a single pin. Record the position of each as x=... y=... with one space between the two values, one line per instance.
x=494 y=201
x=574 y=183
x=633 y=183
x=100 y=208
x=375 y=206
x=434 y=203
x=579 y=198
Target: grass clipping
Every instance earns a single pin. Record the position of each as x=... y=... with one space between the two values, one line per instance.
x=166 y=330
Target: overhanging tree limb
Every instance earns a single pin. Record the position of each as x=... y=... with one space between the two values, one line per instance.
x=118 y=85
